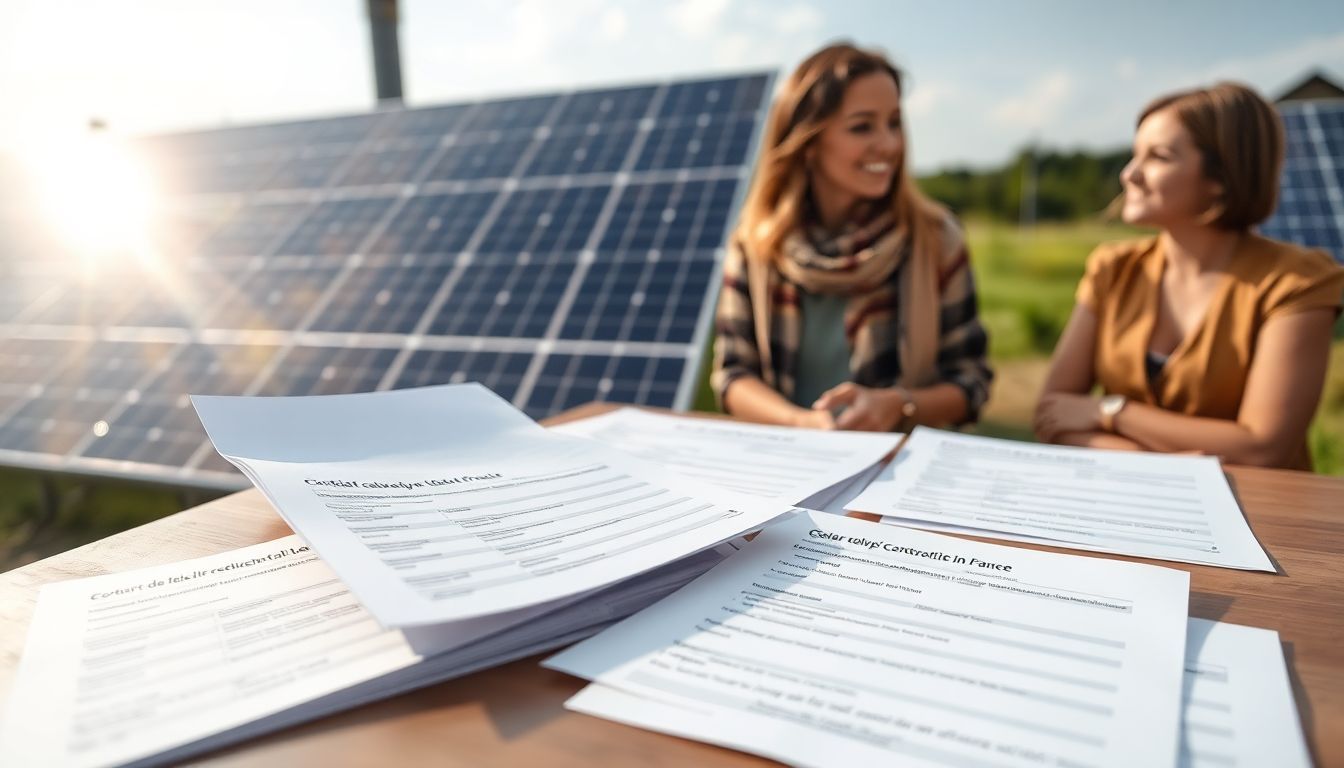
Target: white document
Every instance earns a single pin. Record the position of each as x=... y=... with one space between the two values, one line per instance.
x=1128 y=503
x=445 y=503
x=160 y=663
x=833 y=641
x=1237 y=704
x=1239 y=707
x=784 y=463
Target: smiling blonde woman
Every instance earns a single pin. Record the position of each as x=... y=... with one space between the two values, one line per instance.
x=847 y=297
x=1206 y=338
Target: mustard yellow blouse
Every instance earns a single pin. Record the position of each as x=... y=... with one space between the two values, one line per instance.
x=1206 y=374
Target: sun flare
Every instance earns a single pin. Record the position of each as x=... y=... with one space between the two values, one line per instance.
x=96 y=197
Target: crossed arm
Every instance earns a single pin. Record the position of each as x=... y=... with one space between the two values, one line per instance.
x=1283 y=388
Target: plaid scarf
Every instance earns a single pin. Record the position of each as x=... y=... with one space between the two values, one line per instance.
x=907 y=322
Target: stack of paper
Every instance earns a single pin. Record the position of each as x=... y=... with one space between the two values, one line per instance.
x=809 y=468
x=445 y=503
x=1144 y=504
x=834 y=642
x=154 y=665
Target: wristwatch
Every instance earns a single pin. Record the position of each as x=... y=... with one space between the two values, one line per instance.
x=908 y=409
x=1110 y=407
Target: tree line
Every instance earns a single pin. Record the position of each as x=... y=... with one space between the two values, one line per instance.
x=1068 y=186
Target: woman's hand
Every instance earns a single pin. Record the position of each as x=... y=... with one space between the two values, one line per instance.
x=865 y=408
x=813 y=419
x=1059 y=413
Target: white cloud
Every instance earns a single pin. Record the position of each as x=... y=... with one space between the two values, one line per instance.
x=697 y=19
x=613 y=24
x=1038 y=105
x=923 y=98
x=735 y=49
x=798 y=18
x=534 y=30
x=1275 y=70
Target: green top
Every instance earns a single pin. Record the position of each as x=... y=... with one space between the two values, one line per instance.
x=823 y=354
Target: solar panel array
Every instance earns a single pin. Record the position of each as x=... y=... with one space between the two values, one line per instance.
x=558 y=248
x=1311 y=193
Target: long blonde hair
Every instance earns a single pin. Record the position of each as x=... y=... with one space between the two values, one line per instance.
x=810 y=98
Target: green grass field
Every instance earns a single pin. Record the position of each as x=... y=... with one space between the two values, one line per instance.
x=1026 y=280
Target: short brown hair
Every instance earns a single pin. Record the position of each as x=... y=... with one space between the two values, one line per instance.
x=1240 y=137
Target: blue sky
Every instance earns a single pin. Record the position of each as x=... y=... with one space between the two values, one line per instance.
x=985 y=77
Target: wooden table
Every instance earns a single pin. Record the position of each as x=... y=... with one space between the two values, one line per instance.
x=513 y=715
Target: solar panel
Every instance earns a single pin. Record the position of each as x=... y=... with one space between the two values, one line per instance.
x=559 y=248
x=1311 y=192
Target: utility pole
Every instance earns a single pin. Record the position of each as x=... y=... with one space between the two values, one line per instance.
x=386 y=51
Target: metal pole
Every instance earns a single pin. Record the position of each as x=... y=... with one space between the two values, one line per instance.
x=386 y=51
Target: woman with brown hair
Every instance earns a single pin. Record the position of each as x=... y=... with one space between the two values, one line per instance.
x=845 y=290
x=1206 y=338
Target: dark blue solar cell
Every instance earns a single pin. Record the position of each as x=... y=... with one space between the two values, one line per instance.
x=387 y=294
x=641 y=299
x=700 y=142
x=253 y=229
x=546 y=220
x=590 y=148
x=434 y=224
x=493 y=155
x=509 y=114
x=1332 y=131
x=307 y=171
x=432 y=122
x=337 y=130
x=620 y=105
x=176 y=301
x=567 y=381
x=508 y=298
x=394 y=165
x=215 y=369
x=90 y=302
x=79 y=394
x=1313 y=178
x=26 y=363
x=719 y=96
x=160 y=426
x=328 y=371
x=272 y=298
x=50 y=426
x=671 y=216
x=502 y=372
x=336 y=227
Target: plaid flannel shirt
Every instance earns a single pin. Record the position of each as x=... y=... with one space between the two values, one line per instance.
x=962 y=342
